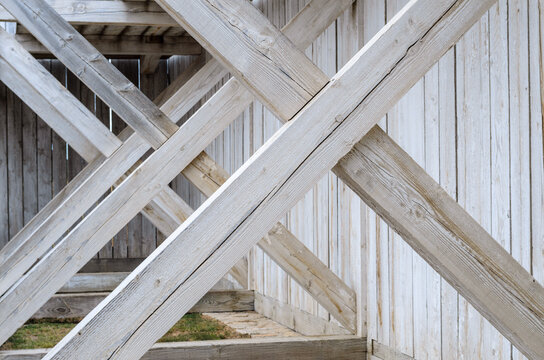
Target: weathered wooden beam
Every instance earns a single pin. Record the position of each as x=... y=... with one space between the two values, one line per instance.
x=197 y=132
x=384 y=352
x=288 y=252
x=63 y=306
x=243 y=51
x=65 y=114
x=143 y=13
x=271 y=182
x=100 y=76
x=448 y=238
x=346 y=347
x=295 y=318
x=149 y=63
x=124 y=45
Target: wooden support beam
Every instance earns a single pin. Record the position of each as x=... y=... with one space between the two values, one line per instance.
x=94 y=282
x=448 y=238
x=294 y=318
x=63 y=306
x=287 y=251
x=384 y=352
x=243 y=51
x=124 y=45
x=271 y=182
x=347 y=347
x=149 y=64
x=123 y=13
x=198 y=131
x=66 y=115
x=100 y=76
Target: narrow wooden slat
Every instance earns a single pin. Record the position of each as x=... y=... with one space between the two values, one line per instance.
x=448 y=238
x=201 y=129
x=255 y=57
x=107 y=12
x=113 y=45
x=64 y=306
x=4 y=194
x=93 y=69
x=149 y=63
x=270 y=183
x=36 y=87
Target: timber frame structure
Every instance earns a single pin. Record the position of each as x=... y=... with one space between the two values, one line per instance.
x=330 y=123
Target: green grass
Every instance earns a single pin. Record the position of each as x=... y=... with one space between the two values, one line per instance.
x=46 y=333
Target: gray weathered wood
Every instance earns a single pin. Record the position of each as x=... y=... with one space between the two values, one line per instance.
x=149 y=63
x=385 y=352
x=66 y=115
x=299 y=348
x=296 y=319
x=255 y=56
x=76 y=305
x=271 y=182
x=107 y=13
x=93 y=282
x=201 y=129
x=93 y=69
x=445 y=235
x=114 y=45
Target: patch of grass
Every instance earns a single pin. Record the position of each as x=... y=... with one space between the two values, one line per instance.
x=46 y=333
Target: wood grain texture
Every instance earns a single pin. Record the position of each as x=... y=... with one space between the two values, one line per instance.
x=76 y=305
x=93 y=69
x=312 y=142
x=66 y=115
x=299 y=348
x=298 y=320
x=125 y=45
x=447 y=238
x=203 y=126
x=256 y=52
x=110 y=13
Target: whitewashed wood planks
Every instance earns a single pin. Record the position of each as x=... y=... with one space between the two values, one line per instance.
x=249 y=180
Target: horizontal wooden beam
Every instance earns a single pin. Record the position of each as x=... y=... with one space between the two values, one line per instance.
x=144 y=13
x=448 y=238
x=271 y=182
x=63 y=306
x=124 y=45
x=296 y=319
x=300 y=348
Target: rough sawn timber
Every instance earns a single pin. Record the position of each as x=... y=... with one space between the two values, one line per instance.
x=197 y=132
x=448 y=238
x=298 y=155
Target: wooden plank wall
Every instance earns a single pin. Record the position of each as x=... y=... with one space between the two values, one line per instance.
x=474 y=123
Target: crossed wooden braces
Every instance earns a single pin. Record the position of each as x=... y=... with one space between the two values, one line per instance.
x=327 y=117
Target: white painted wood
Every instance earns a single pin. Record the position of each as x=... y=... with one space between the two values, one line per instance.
x=106 y=12
x=313 y=144
x=93 y=69
x=448 y=238
x=47 y=97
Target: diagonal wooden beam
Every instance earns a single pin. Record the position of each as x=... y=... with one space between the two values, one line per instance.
x=198 y=131
x=448 y=238
x=104 y=79
x=56 y=105
x=298 y=155
x=137 y=13
x=233 y=42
